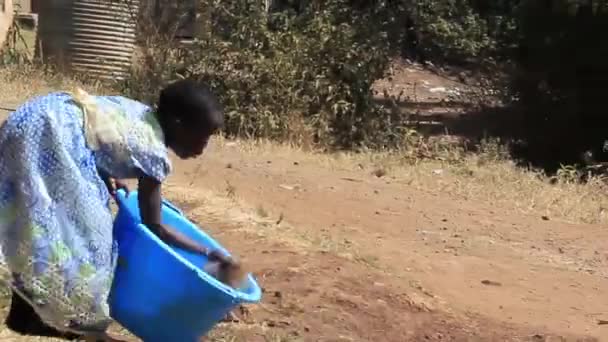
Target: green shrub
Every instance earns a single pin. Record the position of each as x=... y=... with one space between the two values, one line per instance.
x=303 y=72
x=305 y=77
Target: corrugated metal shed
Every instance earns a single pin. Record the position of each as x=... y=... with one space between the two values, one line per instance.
x=93 y=37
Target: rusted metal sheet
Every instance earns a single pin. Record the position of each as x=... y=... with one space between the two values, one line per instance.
x=92 y=37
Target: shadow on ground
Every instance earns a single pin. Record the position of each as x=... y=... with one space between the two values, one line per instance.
x=535 y=138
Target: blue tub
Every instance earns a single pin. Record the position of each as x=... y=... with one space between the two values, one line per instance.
x=160 y=293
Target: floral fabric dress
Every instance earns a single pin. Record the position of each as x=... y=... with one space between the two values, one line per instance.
x=56 y=244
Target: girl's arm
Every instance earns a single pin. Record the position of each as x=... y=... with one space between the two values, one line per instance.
x=107 y=180
x=150 y=201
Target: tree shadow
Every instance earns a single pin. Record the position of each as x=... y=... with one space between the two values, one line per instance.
x=535 y=140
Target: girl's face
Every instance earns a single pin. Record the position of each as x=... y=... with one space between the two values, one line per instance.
x=188 y=142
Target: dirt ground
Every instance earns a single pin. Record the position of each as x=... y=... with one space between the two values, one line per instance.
x=365 y=258
x=344 y=253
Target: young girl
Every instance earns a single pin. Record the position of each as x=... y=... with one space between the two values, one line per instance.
x=59 y=155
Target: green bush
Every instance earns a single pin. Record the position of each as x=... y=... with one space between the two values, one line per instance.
x=303 y=72
x=305 y=78
x=451 y=29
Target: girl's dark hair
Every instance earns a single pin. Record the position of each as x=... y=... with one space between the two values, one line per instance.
x=192 y=103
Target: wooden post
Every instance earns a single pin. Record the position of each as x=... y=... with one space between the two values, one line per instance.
x=6 y=18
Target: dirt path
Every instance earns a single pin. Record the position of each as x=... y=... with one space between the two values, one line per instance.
x=479 y=264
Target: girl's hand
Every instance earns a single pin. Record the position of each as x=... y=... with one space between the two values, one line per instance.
x=225 y=269
x=114 y=185
x=120 y=185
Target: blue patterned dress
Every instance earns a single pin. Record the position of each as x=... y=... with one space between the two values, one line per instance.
x=56 y=245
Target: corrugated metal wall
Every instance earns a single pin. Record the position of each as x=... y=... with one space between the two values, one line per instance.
x=92 y=37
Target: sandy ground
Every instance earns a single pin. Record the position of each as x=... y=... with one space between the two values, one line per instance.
x=345 y=255
x=384 y=260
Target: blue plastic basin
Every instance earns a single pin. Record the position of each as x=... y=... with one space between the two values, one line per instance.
x=160 y=293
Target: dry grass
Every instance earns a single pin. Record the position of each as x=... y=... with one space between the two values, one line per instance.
x=488 y=177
